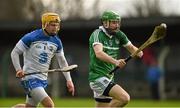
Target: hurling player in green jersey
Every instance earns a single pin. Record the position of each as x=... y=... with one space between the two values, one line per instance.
x=104 y=45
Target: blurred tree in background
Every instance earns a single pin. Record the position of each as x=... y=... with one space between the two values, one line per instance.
x=84 y=9
x=155 y=8
x=17 y=10
x=145 y=8
x=31 y=9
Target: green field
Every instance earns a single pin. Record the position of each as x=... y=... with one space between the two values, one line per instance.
x=86 y=102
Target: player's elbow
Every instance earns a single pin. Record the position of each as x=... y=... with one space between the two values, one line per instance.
x=98 y=54
x=12 y=54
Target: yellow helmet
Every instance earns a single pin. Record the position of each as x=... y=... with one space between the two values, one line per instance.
x=49 y=17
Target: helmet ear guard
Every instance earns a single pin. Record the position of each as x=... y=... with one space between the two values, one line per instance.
x=105 y=24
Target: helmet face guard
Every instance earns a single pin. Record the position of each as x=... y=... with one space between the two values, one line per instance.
x=108 y=17
x=48 y=17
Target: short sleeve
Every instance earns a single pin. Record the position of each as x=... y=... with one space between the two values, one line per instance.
x=95 y=39
x=123 y=38
x=27 y=39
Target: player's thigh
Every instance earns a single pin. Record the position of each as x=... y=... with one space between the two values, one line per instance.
x=36 y=96
x=119 y=93
x=99 y=86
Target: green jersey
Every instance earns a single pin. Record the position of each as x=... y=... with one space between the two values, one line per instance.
x=111 y=46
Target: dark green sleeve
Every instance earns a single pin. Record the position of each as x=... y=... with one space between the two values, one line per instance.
x=95 y=37
x=123 y=38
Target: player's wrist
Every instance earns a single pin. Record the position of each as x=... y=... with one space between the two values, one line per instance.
x=140 y=54
x=116 y=62
x=19 y=70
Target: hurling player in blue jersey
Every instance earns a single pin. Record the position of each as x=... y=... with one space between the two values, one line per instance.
x=38 y=47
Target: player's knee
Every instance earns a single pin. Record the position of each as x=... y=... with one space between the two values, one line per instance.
x=49 y=105
x=47 y=102
x=124 y=99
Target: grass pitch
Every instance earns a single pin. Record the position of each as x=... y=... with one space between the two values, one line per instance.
x=88 y=102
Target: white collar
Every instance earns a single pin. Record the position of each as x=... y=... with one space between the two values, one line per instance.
x=104 y=30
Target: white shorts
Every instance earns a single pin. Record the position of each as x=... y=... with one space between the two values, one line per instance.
x=99 y=86
x=37 y=95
